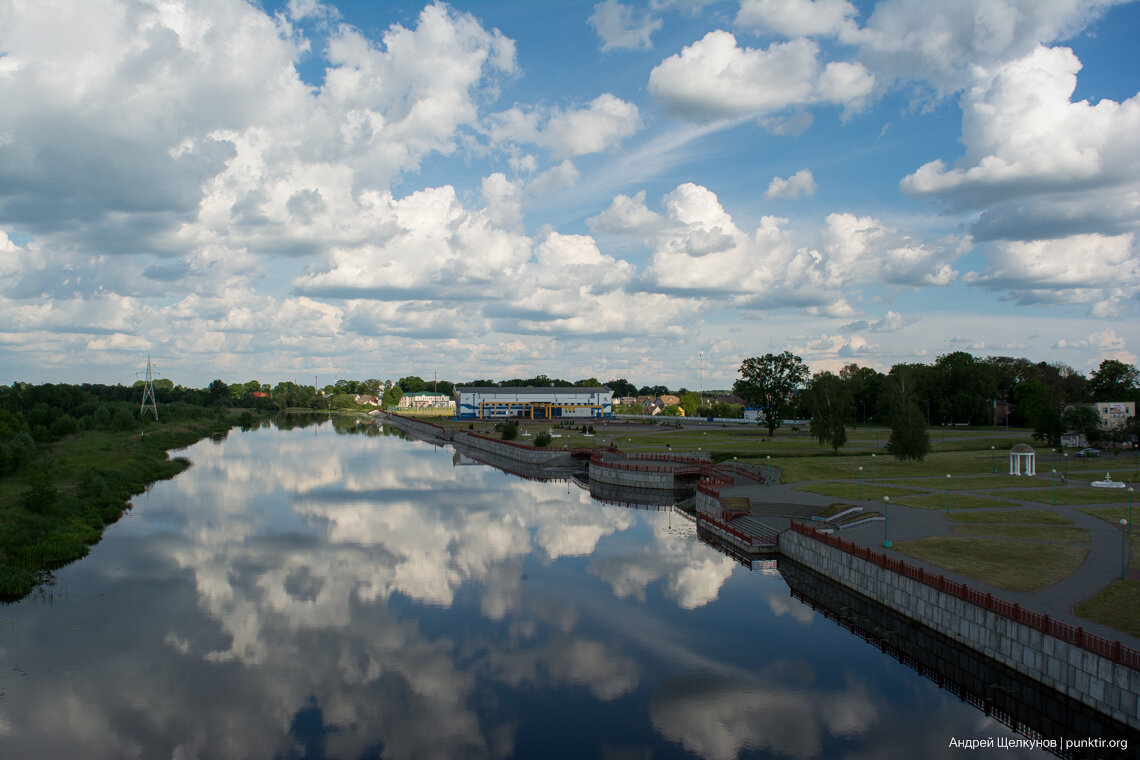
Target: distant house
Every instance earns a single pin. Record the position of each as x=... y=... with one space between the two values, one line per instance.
x=1074 y=440
x=426 y=400
x=1002 y=411
x=1114 y=415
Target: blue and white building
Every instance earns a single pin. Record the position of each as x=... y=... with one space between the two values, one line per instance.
x=492 y=402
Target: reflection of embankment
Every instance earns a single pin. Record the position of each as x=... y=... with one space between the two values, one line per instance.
x=626 y=496
x=1019 y=702
x=467 y=454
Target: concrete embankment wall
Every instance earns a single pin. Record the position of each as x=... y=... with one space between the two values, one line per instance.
x=525 y=454
x=416 y=427
x=621 y=474
x=1110 y=687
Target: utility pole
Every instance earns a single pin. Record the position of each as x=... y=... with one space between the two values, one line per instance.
x=148 y=391
x=702 y=381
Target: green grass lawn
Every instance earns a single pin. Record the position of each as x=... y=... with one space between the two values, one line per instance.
x=1115 y=607
x=1028 y=532
x=1003 y=564
x=957 y=502
x=965 y=483
x=1022 y=516
x=851 y=491
x=1069 y=495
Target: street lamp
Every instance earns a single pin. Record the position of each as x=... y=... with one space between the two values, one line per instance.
x=886 y=514
x=860 y=484
x=993 y=462
x=734 y=471
x=872 y=468
x=1066 y=477
x=947 y=493
x=1129 y=508
x=768 y=480
x=1124 y=526
x=1054 y=478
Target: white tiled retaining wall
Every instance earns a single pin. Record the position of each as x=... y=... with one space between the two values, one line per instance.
x=523 y=454
x=1107 y=686
x=631 y=478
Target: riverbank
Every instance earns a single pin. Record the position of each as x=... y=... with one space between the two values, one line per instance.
x=54 y=511
x=962 y=513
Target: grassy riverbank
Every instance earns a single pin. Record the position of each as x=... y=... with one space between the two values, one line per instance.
x=54 y=510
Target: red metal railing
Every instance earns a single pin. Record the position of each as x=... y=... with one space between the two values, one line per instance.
x=1075 y=635
x=747 y=538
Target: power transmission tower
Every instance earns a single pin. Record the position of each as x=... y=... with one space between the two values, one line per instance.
x=148 y=392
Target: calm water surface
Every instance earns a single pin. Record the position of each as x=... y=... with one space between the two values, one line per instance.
x=302 y=594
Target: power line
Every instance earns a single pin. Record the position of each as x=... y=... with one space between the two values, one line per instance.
x=148 y=392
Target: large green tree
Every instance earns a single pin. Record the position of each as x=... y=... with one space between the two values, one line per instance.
x=909 y=439
x=1035 y=404
x=828 y=400
x=769 y=382
x=1082 y=419
x=1114 y=381
x=864 y=384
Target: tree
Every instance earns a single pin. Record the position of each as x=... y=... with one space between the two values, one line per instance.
x=864 y=384
x=1114 y=381
x=909 y=439
x=1084 y=420
x=965 y=389
x=1033 y=405
x=689 y=402
x=392 y=397
x=673 y=410
x=828 y=401
x=768 y=382
x=411 y=384
x=622 y=388
x=219 y=391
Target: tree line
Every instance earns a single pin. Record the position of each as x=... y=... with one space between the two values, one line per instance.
x=1051 y=398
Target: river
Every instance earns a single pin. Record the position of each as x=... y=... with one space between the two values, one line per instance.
x=303 y=593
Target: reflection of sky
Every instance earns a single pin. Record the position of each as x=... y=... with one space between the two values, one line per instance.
x=307 y=594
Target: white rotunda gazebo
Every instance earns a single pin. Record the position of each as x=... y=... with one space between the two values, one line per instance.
x=1022 y=452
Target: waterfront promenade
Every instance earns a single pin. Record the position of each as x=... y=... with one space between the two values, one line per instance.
x=777 y=504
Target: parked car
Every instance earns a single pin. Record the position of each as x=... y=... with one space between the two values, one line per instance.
x=1088 y=453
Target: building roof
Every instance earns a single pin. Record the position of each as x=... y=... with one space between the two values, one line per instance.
x=425 y=393
x=1022 y=448
x=530 y=390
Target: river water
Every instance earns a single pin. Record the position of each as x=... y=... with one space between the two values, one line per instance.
x=302 y=593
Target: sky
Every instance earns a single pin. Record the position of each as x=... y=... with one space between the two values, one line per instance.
x=653 y=191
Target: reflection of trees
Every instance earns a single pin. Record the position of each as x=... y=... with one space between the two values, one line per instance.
x=295 y=420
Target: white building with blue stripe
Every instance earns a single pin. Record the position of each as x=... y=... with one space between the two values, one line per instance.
x=530 y=403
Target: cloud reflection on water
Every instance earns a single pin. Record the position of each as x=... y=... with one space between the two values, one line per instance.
x=394 y=603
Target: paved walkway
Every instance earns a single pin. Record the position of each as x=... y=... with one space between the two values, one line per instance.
x=1100 y=568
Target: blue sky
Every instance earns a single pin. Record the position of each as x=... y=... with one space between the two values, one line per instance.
x=498 y=189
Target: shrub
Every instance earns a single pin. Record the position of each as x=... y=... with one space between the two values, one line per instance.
x=542 y=439
x=41 y=492
x=508 y=430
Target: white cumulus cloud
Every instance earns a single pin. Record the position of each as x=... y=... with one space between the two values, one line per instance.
x=799 y=184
